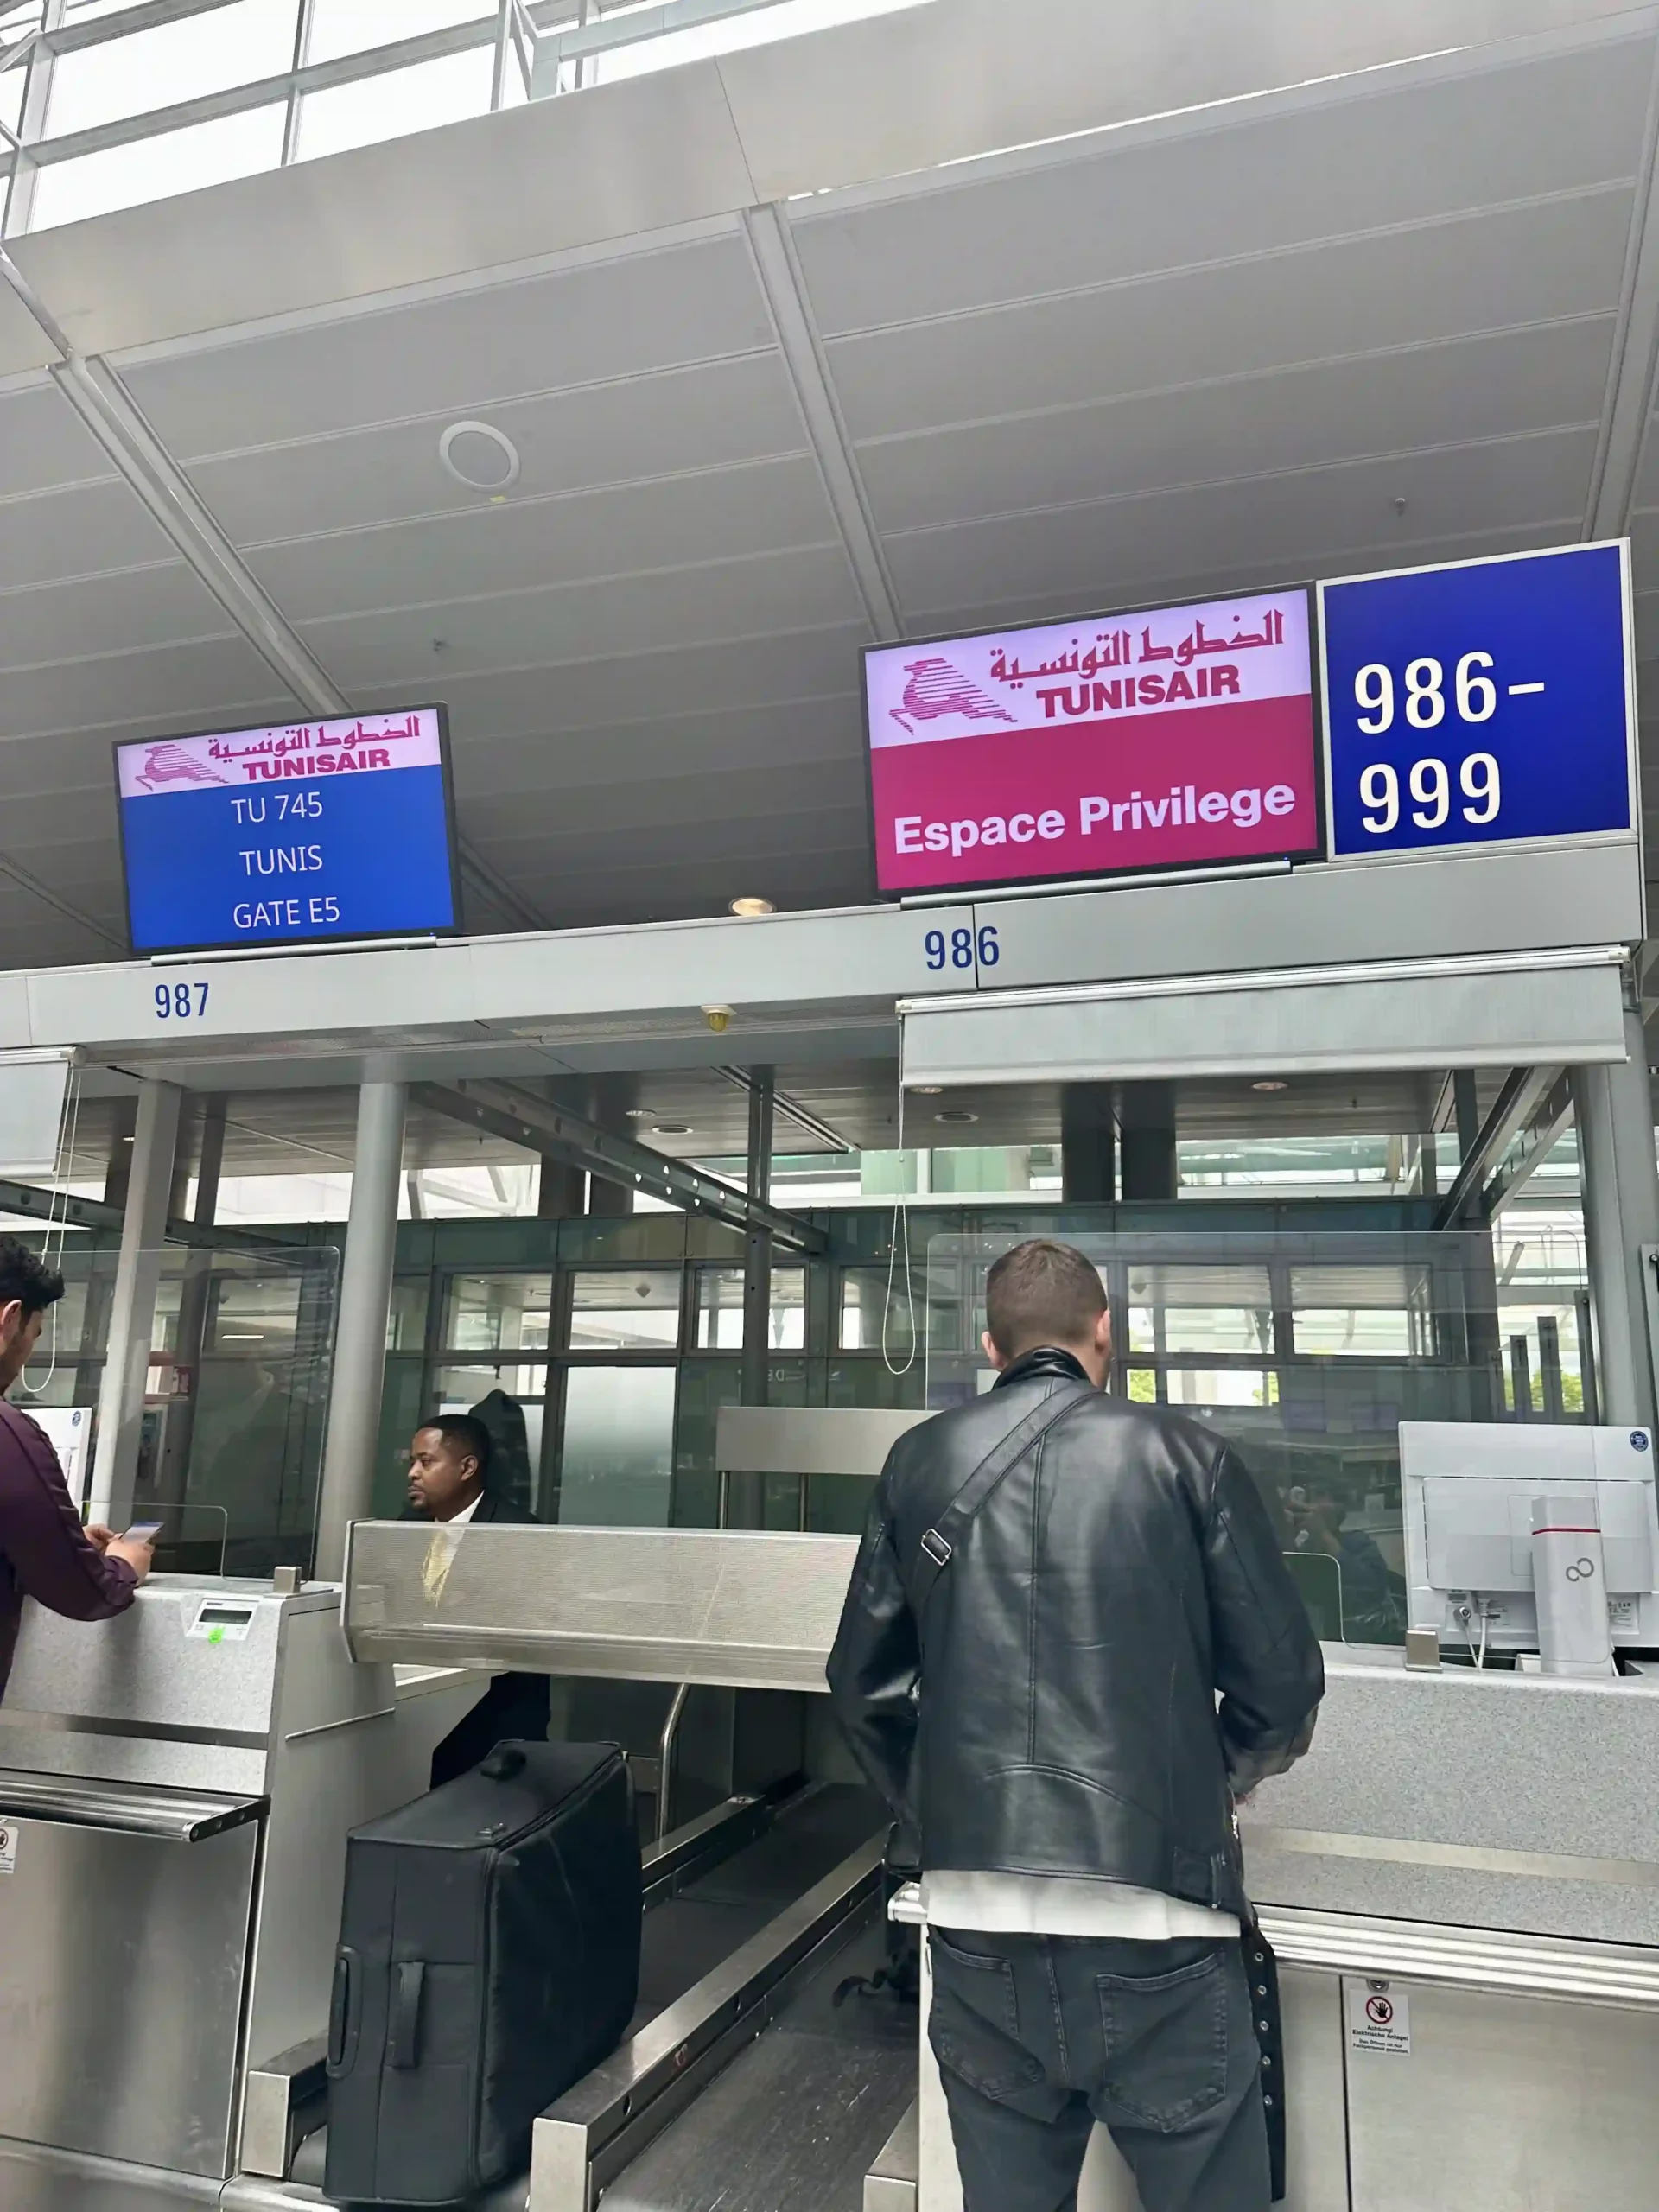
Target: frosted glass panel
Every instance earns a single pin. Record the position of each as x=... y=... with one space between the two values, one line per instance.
x=175 y=61
x=155 y=168
x=392 y=106
x=618 y=1464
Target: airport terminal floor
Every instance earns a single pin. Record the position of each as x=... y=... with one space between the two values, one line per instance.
x=670 y=677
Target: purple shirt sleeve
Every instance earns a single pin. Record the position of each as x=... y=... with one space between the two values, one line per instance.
x=40 y=1536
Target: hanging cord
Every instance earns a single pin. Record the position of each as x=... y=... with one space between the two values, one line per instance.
x=68 y=1133
x=901 y=1215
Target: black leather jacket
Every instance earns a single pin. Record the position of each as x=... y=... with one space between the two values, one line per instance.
x=1054 y=1710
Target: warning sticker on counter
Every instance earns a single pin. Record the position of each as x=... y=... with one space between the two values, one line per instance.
x=1379 y=2018
x=7 y=1849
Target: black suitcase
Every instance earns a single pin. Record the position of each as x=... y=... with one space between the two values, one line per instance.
x=489 y=1956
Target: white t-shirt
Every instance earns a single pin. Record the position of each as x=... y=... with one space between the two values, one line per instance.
x=1053 y=1904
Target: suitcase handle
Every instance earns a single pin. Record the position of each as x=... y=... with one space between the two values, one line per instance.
x=411 y=1980
x=503 y=1763
x=345 y=2013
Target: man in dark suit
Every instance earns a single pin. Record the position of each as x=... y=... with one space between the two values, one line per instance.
x=448 y=1482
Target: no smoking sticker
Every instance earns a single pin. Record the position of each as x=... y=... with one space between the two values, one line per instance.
x=1379 y=2018
x=7 y=1849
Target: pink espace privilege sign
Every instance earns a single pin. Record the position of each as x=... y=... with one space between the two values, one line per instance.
x=1172 y=737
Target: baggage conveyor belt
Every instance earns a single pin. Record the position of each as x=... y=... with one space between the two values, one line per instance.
x=741 y=2085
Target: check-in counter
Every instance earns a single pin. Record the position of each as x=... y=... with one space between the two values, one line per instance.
x=175 y=1789
x=1461 y=1880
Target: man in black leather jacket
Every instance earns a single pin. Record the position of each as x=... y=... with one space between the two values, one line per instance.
x=1071 y=1646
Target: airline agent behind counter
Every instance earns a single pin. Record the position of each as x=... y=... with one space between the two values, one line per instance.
x=448 y=1482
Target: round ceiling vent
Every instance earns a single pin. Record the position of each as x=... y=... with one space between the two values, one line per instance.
x=480 y=456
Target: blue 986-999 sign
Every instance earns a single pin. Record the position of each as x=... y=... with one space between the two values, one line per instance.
x=1486 y=702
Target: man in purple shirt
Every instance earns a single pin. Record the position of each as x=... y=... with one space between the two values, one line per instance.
x=87 y=1574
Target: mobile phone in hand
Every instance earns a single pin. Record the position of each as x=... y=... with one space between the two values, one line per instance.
x=141 y=1532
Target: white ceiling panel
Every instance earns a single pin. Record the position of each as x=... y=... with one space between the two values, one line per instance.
x=1384 y=294
x=169 y=688
x=82 y=531
x=43 y=443
x=747 y=672
x=655 y=880
x=686 y=609
x=1351 y=325
x=1437 y=397
x=670 y=843
x=717 y=514
x=108 y=613
x=1096 y=555
x=587 y=325
x=1395 y=151
x=757 y=740
x=603 y=434
x=623 y=806
x=37 y=819
x=42 y=938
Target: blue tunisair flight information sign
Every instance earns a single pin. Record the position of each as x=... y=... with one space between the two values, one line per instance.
x=300 y=832
x=1486 y=702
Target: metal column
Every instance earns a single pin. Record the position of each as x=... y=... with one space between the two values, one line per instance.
x=195 y=1298
x=360 y=1333
x=132 y=1304
x=1088 y=1145
x=1614 y=1108
x=1146 y=1119
x=745 y=1496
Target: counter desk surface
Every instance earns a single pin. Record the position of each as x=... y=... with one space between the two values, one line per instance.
x=1475 y=1799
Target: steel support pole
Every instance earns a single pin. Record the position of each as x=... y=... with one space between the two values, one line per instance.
x=132 y=1304
x=1614 y=1110
x=360 y=1332
x=746 y=1493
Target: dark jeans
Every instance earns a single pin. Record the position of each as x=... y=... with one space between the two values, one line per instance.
x=1038 y=2036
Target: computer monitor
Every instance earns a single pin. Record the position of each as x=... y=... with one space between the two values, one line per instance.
x=1468 y=1489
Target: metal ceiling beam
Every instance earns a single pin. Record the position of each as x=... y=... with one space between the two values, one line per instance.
x=556 y=1133
x=777 y=267
x=57 y=1209
x=1518 y=1101
x=802 y=1117
x=1533 y=1144
x=101 y=400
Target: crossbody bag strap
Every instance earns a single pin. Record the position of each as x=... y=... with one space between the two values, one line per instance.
x=939 y=1543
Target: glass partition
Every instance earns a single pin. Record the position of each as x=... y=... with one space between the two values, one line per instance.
x=236 y=1398
x=617 y=1468
x=1307 y=1350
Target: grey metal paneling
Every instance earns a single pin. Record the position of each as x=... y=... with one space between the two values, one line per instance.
x=1426 y=909
x=807 y=1440
x=1413 y=1014
x=730 y=1607
x=910 y=90
x=1459 y=1798
x=124 y=1959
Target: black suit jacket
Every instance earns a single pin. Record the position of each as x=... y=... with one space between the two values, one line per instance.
x=515 y=1706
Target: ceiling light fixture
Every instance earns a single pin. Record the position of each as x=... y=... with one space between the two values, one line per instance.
x=750 y=909
x=480 y=456
x=1273 y=1084
x=928 y=1089
x=672 y=1130
x=636 y=1113
x=956 y=1116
